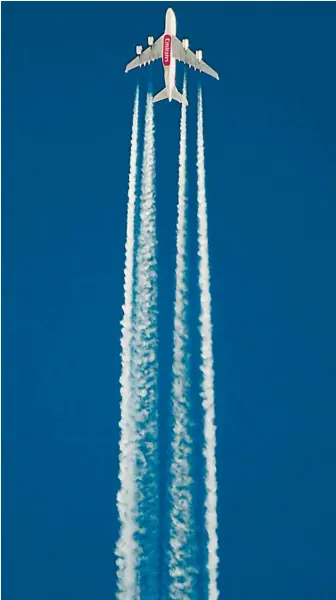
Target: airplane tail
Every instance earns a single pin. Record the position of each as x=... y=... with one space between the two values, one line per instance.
x=163 y=95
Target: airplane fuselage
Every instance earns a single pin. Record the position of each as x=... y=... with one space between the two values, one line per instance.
x=169 y=63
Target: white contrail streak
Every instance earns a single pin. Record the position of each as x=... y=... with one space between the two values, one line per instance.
x=182 y=527
x=145 y=372
x=126 y=548
x=207 y=368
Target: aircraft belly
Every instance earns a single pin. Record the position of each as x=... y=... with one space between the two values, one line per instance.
x=166 y=76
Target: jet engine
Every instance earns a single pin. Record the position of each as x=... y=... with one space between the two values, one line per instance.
x=199 y=55
x=150 y=40
x=185 y=44
x=138 y=49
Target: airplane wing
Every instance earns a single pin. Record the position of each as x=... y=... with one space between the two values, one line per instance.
x=189 y=57
x=147 y=56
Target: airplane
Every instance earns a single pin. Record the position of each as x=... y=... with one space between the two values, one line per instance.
x=170 y=49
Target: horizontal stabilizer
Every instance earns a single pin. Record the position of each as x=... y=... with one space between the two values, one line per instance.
x=179 y=97
x=163 y=95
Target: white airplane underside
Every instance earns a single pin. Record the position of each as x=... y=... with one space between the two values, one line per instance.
x=170 y=49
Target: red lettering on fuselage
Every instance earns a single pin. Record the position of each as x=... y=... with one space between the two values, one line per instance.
x=166 y=52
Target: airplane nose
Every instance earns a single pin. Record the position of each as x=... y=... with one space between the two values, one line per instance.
x=171 y=21
x=169 y=15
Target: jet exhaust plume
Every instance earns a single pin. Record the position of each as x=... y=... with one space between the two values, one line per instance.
x=126 y=548
x=182 y=550
x=207 y=366
x=144 y=367
x=137 y=549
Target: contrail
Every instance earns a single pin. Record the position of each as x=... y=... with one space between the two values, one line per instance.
x=182 y=549
x=145 y=372
x=207 y=368
x=126 y=548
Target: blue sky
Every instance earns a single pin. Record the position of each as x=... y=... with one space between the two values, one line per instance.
x=270 y=130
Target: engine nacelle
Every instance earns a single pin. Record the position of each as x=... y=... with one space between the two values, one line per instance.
x=138 y=50
x=150 y=40
x=199 y=55
x=185 y=44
